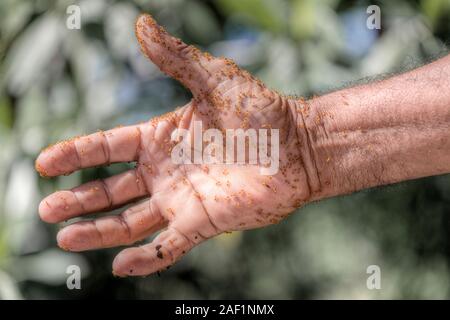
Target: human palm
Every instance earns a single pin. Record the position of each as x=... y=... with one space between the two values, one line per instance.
x=189 y=202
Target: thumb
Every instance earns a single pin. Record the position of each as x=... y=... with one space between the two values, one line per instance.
x=196 y=70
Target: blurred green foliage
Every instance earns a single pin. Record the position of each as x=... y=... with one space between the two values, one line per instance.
x=56 y=83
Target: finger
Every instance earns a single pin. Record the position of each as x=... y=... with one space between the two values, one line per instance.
x=116 y=145
x=134 y=224
x=168 y=247
x=196 y=70
x=93 y=196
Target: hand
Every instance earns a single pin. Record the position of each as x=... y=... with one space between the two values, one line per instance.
x=191 y=202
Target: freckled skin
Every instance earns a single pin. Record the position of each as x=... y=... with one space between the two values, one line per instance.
x=190 y=203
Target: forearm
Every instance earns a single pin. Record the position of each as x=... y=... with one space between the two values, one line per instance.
x=381 y=133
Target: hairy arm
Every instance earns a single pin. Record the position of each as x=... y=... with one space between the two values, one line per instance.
x=381 y=133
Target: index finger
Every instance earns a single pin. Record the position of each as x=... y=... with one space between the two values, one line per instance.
x=100 y=148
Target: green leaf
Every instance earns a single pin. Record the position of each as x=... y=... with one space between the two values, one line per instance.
x=6 y=116
x=434 y=9
x=302 y=19
x=268 y=14
x=200 y=23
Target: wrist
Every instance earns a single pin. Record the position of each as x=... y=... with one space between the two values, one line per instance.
x=303 y=112
x=377 y=134
x=325 y=143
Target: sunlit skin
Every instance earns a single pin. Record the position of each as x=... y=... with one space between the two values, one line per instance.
x=190 y=203
x=377 y=134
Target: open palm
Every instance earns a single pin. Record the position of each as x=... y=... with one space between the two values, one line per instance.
x=190 y=202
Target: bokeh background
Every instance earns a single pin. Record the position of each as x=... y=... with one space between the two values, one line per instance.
x=56 y=83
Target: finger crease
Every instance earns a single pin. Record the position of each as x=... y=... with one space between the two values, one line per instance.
x=106 y=148
x=184 y=49
x=172 y=257
x=140 y=177
x=107 y=192
x=80 y=165
x=139 y=147
x=271 y=103
x=223 y=84
x=79 y=202
x=125 y=225
x=202 y=236
x=191 y=243
x=100 y=235
x=155 y=212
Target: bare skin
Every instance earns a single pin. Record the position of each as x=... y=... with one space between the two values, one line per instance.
x=328 y=146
